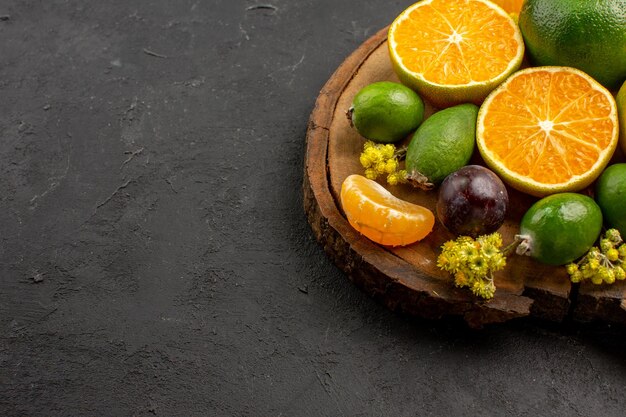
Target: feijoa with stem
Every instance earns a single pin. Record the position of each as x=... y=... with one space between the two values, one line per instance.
x=560 y=228
x=441 y=145
x=385 y=111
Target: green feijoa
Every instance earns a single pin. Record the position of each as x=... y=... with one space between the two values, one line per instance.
x=441 y=145
x=560 y=228
x=611 y=197
x=386 y=112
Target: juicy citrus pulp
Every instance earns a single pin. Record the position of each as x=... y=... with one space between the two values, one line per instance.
x=560 y=228
x=611 y=196
x=380 y=216
x=510 y=6
x=385 y=111
x=454 y=51
x=585 y=34
x=547 y=130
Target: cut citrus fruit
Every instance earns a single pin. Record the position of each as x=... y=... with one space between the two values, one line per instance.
x=454 y=51
x=380 y=216
x=510 y=6
x=548 y=129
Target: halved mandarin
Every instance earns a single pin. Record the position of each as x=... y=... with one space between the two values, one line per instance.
x=548 y=129
x=380 y=216
x=510 y=6
x=454 y=51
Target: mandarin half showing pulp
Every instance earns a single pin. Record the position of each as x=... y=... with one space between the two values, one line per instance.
x=547 y=130
x=510 y=6
x=454 y=51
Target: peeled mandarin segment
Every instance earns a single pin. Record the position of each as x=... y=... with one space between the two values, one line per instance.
x=454 y=51
x=548 y=129
x=382 y=217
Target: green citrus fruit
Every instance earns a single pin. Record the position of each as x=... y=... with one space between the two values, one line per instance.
x=586 y=34
x=560 y=228
x=441 y=145
x=611 y=196
x=386 y=112
x=620 y=99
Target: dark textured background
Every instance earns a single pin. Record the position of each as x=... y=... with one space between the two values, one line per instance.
x=155 y=257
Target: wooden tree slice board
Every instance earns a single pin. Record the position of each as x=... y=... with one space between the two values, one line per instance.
x=407 y=278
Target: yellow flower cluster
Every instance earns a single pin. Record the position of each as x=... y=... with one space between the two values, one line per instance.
x=473 y=262
x=603 y=265
x=382 y=159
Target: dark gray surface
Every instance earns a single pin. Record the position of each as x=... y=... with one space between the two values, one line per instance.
x=155 y=257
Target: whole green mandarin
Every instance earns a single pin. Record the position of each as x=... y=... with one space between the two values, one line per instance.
x=611 y=196
x=586 y=34
x=560 y=228
x=386 y=112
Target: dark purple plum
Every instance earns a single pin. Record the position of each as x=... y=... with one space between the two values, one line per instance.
x=472 y=201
